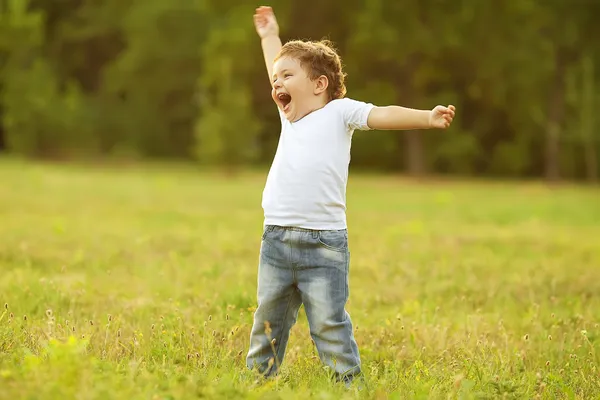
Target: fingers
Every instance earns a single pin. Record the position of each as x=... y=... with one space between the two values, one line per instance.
x=263 y=15
x=446 y=115
x=451 y=110
x=264 y=11
x=259 y=20
x=448 y=111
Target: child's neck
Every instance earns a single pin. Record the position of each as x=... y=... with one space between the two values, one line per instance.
x=312 y=105
x=317 y=103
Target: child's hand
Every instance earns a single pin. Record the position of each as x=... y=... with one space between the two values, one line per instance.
x=441 y=117
x=265 y=22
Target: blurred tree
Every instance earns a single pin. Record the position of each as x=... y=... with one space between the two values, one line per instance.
x=41 y=116
x=2 y=132
x=496 y=64
x=81 y=37
x=566 y=30
x=384 y=52
x=186 y=79
x=589 y=126
x=148 y=95
x=227 y=127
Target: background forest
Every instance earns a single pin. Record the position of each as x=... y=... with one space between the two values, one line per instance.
x=185 y=80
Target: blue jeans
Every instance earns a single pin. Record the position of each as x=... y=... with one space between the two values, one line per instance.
x=300 y=266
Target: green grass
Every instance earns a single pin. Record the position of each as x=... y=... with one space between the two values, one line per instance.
x=139 y=283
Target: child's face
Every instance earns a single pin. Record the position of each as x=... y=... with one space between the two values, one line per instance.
x=293 y=90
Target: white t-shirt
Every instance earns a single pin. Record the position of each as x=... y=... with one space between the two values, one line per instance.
x=306 y=185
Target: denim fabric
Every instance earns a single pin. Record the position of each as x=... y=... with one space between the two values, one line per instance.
x=300 y=266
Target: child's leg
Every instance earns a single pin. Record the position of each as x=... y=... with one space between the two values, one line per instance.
x=278 y=304
x=323 y=283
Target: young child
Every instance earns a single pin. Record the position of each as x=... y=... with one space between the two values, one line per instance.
x=304 y=256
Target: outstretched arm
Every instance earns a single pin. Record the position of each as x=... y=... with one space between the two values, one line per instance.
x=401 y=118
x=268 y=30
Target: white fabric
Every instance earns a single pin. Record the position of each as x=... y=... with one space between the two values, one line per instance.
x=306 y=185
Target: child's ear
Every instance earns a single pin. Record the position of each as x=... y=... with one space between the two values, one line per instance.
x=321 y=84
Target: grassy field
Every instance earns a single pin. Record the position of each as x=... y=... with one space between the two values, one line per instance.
x=139 y=283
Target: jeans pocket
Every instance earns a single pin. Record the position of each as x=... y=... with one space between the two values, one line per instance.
x=266 y=230
x=334 y=240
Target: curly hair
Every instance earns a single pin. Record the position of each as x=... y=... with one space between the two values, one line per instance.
x=318 y=58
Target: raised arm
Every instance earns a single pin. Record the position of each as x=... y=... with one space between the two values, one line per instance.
x=268 y=30
x=401 y=118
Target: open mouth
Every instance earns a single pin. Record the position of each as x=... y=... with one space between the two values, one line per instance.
x=285 y=100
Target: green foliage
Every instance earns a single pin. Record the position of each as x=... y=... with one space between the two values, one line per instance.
x=39 y=117
x=227 y=129
x=185 y=79
x=151 y=86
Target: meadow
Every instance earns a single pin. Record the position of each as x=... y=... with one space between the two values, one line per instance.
x=139 y=282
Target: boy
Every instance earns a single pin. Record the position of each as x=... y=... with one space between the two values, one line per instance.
x=304 y=256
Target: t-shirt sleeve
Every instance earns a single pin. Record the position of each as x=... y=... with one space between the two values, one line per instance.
x=356 y=113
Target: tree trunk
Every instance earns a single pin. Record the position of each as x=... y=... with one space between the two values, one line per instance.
x=591 y=162
x=555 y=117
x=587 y=119
x=2 y=140
x=413 y=140
x=2 y=133
x=414 y=153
